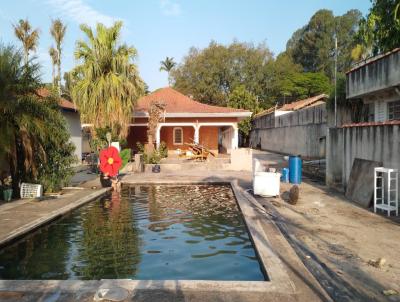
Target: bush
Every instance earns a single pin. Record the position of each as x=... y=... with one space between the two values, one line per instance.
x=153 y=157
x=57 y=170
x=163 y=149
x=125 y=155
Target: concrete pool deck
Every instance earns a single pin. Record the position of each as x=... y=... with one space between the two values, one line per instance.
x=20 y=217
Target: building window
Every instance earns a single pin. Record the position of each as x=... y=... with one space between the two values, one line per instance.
x=394 y=110
x=178 y=136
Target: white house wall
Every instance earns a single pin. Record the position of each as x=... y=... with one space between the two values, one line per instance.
x=74 y=125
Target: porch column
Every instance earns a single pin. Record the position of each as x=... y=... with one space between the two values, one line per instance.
x=196 y=137
x=235 y=137
x=158 y=136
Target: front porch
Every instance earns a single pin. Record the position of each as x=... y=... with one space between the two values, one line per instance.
x=218 y=137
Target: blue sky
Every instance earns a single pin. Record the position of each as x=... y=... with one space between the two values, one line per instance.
x=160 y=28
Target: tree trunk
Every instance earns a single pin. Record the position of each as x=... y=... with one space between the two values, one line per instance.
x=59 y=68
x=53 y=75
x=26 y=56
x=14 y=170
x=149 y=147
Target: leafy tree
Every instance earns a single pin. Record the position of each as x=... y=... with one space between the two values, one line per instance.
x=312 y=46
x=310 y=83
x=167 y=66
x=57 y=31
x=241 y=98
x=106 y=83
x=287 y=81
x=212 y=73
x=279 y=76
x=33 y=137
x=379 y=30
x=29 y=37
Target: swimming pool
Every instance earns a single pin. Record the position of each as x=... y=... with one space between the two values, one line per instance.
x=156 y=232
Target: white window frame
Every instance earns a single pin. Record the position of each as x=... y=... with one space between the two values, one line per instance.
x=173 y=134
x=388 y=111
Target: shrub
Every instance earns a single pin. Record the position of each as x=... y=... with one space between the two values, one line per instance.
x=163 y=149
x=153 y=157
x=57 y=170
x=125 y=155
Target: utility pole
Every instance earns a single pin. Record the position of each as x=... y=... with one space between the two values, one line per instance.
x=335 y=80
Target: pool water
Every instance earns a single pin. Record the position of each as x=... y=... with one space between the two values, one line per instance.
x=186 y=232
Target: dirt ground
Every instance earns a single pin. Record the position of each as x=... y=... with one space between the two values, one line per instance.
x=338 y=241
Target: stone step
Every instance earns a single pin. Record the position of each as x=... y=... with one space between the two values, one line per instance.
x=190 y=166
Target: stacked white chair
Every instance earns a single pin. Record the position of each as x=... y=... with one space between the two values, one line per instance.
x=265 y=183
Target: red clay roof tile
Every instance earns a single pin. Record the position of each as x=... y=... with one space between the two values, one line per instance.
x=65 y=104
x=297 y=105
x=177 y=102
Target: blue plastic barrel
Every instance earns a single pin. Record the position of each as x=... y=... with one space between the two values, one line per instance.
x=285 y=175
x=295 y=169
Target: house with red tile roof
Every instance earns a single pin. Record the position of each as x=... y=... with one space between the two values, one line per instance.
x=185 y=121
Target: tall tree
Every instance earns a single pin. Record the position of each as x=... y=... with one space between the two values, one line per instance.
x=287 y=82
x=54 y=62
x=167 y=66
x=57 y=31
x=106 y=83
x=242 y=99
x=380 y=29
x=312 y=46
x=212 y=73
x=29 y=37
x=34 y=140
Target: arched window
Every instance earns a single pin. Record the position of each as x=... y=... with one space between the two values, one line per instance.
x=178 y=136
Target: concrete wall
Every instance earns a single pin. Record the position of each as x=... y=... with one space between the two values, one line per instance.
x=376 y=75
x=226 y=139
x=209 y=137
x=74 y=125
x=137 y=134
x=378 y=143
x=167 y=136
x=300 y=132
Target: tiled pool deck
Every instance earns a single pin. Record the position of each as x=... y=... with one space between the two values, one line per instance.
x=289 y=279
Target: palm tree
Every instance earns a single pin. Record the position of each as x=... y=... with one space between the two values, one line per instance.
x=34 y=140
x=167 y=66
x=57 y=31
x=54 y=60
x=19 y=119
x=27 y=36
x=106 y=83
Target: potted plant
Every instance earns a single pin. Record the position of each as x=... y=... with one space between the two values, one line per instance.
x=155 y=159
x=6 y=189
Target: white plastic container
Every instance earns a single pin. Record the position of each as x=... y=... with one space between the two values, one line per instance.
x=266 y=184
x=31 y=190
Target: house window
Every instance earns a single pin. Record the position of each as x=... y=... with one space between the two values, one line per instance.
x=178 y=136
x=394 y=110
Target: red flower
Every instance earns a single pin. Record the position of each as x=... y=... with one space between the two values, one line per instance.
x=110 y=162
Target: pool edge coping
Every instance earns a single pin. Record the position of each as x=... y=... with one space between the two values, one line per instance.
x=279 y=281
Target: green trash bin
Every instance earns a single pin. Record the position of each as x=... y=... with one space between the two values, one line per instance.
x=6 y=194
